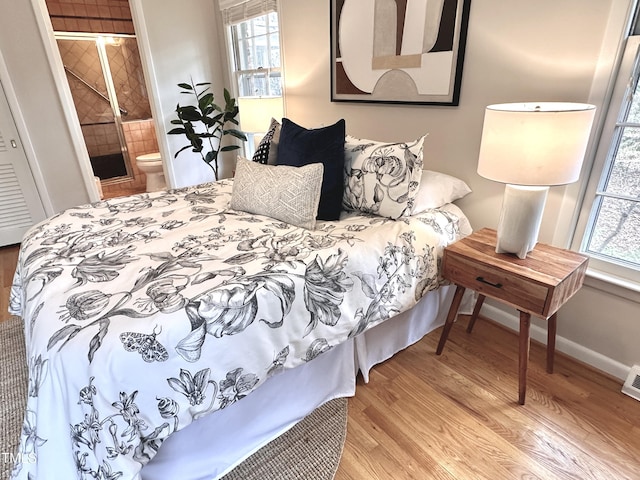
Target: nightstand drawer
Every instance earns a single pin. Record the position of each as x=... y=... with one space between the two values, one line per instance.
x=520 y=292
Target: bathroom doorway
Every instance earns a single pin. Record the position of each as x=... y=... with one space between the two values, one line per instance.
x=102 y=66
x=89 y=73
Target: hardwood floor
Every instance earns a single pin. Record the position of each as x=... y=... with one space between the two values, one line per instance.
x=122 y=189
x=456 y=416
x=8 y=261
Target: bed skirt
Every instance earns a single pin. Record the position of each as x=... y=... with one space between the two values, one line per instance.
x=200 y=452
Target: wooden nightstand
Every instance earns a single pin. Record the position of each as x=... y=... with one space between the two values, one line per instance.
x=537 y=285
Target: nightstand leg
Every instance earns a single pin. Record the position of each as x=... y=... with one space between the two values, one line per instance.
x=453 y=311
x=551 y=342
x=476 y=312
x=523 y=363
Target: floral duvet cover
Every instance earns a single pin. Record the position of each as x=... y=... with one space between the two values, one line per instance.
x=144 y=313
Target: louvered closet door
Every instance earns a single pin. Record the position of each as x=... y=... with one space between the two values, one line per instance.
x=20 y=204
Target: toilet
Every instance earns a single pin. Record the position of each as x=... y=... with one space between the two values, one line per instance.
x=151 y=165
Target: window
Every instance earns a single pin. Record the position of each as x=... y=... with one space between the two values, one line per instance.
x=256 y=56
x=253 y=40
x=612 y=223
x=614 y=230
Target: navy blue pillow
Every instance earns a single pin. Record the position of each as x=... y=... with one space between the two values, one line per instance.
x=300 y=146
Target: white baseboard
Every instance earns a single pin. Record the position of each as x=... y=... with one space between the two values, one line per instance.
x=572 y=349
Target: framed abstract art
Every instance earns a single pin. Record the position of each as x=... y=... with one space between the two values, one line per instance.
x=398 y=51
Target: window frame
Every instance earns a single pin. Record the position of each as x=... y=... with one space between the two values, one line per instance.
x=605 y=270
x=249 y=147
x=233 y=43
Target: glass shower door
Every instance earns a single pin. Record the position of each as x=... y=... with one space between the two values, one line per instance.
x=125 y=67
x=95 y=105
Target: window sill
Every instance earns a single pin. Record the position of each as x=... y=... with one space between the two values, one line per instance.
x=613 y=284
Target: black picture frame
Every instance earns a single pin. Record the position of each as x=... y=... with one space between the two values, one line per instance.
x=383 y=53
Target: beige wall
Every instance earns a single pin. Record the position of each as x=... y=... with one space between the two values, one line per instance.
x=516 y=51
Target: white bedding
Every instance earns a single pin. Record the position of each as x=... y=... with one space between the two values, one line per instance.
x=145 y=313
x=199 y=453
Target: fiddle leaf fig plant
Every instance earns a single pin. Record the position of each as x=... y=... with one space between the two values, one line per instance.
x=205 y=123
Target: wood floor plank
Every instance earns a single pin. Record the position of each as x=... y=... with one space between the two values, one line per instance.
x=8 y=261
x=461 y=424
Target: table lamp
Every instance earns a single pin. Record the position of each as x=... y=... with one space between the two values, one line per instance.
x=530 y=147
x=256 y=114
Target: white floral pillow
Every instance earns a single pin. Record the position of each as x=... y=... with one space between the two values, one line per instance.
x=382 y=178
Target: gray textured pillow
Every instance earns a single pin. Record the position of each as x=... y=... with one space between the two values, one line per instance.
x=289 y=194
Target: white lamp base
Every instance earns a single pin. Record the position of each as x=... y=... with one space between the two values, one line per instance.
x=520 y=219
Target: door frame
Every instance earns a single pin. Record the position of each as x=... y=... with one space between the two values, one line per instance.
x=41 y=13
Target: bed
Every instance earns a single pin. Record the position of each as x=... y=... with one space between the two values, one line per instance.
x=157 y=324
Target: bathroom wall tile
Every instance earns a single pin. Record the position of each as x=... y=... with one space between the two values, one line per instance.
x=150 y=145
x=95 y=26
x=107 y=26
x=54 y=8
x=136 y=135
x=92 y=10
x=104 y=11
x=71 y=24
x=58 y=24
x=79 y=10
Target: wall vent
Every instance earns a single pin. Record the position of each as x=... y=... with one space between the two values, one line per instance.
x=631 y=386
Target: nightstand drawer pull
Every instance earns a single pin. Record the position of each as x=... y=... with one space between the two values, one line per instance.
x=496 y=285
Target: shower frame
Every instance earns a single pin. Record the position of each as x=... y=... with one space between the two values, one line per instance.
x=100 y=43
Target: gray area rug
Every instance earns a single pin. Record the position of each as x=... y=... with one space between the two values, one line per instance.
x=310 y=450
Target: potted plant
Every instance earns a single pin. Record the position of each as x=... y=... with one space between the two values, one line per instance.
x=205 y=123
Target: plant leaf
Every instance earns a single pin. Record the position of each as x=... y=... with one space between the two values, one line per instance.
x=182 y=149
x=235 y=133
x=205 y=101
x=191 y=114
x=211 y=156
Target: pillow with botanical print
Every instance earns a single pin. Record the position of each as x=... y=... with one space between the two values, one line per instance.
x=382 y=178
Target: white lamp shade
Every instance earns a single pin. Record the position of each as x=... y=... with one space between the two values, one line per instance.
x=256 y=113
x=535 y=143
